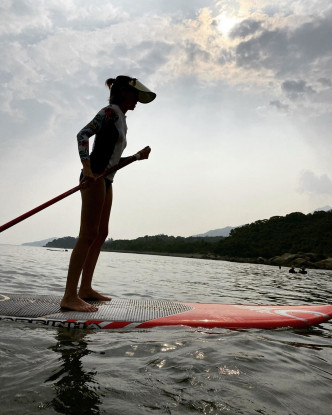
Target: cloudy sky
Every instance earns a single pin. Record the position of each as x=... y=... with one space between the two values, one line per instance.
x=240 y=130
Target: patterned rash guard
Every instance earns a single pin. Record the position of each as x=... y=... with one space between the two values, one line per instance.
x=110 y=129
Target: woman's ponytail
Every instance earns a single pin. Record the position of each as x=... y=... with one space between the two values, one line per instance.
x=109 y=82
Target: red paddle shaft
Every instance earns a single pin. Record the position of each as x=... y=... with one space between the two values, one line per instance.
x=26 y=215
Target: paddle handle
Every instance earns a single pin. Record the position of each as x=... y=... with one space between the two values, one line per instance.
x=37 y=209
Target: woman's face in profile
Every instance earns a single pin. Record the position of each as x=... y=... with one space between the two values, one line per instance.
x=130 y=98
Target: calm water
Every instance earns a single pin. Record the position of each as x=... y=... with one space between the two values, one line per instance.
x=165 y=371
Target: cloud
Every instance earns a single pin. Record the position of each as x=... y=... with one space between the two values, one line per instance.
x=245 y=28
x=195 y=53
x=325 y=82
x=96 y=31
x=31 y=20
x=315 y=184
x=279 y=105
x=156 y=43
x=296 y=89
x=287 y=49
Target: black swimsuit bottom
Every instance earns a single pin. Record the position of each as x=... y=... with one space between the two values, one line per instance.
x=108 y=183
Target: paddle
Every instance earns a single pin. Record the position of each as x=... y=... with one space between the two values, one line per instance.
x=26 y=215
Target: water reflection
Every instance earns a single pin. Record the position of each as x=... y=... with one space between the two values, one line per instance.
x=76 y=389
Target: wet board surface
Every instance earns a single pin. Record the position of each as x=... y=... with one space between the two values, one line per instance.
x=141 y=314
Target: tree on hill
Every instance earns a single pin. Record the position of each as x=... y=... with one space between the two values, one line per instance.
x=292 y=233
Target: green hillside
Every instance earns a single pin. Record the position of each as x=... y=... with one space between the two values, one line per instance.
x=294 y=233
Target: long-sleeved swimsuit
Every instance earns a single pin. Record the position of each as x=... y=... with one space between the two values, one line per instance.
x=110 y=129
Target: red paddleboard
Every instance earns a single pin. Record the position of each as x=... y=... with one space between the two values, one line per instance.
x=142 y=314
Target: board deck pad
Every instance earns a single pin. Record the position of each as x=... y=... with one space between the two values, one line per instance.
x=117 y=309
x=131 y=313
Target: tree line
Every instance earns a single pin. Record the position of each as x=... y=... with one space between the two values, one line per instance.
x=293 y=233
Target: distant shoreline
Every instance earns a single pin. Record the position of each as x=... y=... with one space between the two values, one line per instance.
x=300 y=260
x=286 y=260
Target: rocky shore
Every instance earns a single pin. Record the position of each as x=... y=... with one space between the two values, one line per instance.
x=299 y=260
x=307 y=260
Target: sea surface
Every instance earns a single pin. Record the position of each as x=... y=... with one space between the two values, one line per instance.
x=182 y=370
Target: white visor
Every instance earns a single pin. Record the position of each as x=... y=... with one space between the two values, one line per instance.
x=144 y=94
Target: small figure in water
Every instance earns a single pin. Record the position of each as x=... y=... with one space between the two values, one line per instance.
x=292 y=270
x=110 y=129
x=302 y=271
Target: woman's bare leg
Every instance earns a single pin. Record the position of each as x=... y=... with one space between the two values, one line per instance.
x=93 y=198
x=86 y=291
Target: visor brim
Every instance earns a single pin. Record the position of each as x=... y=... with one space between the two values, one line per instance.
x=144 y=94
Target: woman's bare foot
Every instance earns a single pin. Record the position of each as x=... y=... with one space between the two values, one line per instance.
x=90 y=294
x=77 y=304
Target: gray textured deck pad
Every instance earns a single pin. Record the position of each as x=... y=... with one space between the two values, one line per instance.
x=16 y=305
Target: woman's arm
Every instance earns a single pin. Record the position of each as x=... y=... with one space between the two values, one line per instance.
x=90 y=129
x=140 y=155
x=83 y=141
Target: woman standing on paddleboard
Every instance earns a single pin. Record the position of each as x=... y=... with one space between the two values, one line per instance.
x=110 y=130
